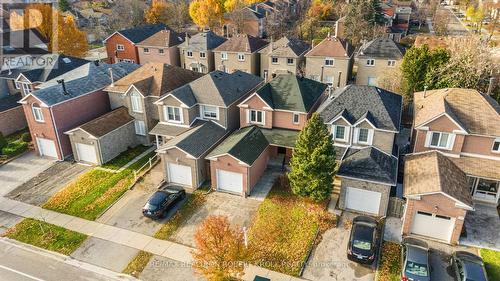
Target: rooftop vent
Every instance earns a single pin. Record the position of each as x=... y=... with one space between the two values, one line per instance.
x=66 y=60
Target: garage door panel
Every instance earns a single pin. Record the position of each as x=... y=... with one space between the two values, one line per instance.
x=180 y=174
x=86 y=153
x=46 y=147
x=229 y=181
x=363 y=200
x=437 y=227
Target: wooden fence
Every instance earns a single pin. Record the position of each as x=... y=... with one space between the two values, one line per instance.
x=396 y=207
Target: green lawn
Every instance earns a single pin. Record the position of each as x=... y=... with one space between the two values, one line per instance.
x=137 y=265
x=390 y=262
x=125 y=157
x=284 y=229
x=91 y=193
x=47 y=236
x=491 y=263
x=17 y=143
x=193 y=202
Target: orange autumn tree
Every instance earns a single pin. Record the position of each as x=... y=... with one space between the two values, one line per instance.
x=157 y=12
x=71 y=41
x=207 y=13
x=230 y=5
x=220 y=250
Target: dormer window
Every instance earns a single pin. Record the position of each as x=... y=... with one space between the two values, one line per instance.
x=209 y=112
x=340 y=133
x=256 y=116
x=363 y=136
x=172 y=114
x=370 y=62
x=135 y=102
x=37 y=113
x=496 y=145
x=329 y=61
x=391 y=63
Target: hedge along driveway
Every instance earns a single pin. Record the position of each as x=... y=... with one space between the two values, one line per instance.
x=91 y=193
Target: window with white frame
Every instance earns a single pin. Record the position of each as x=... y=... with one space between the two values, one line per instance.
x=391 y=63
x=37 y=112
x=289 y=61
x=172 y=114
x=223 y=56
x=140 y=127
x=241 y=57
x=189 y=54
x=210 y=112
x=135 y=102
x=329 y=61
x=146 y=50
x=370 y=62
x=440 y=140
x=17 y=85
x=295 y=118
x=161 y=51
x=26 y=88
x=496 y=145
x=203 y=55
x=274 y=60
x=363 y=136
x=120 y=47
x=340 y=133
x=256 y=116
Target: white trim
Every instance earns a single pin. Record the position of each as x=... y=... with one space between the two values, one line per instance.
x=167 y=119
x=19 y=76
x=138 y=104
x=216 y=158
x=493 y=145
x=437 y=117
x=471 y=208
x=249 y=119
x=137 y=127
x=105 y=40
x=346 y=133
x=39 y=111
x=450 y=141
x=22 y=101
x=160 y=101
x=241 y=104
x=339 y=117
x=362 y=120
x=202 y=111
x=298 y=118
x=480 y=156
x=174 y=124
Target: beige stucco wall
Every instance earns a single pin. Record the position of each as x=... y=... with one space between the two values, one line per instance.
x=314 y=66
x=170 y=55
x=249 y=65
x=383 y=189
x=281 y=66
x=208 y=61
x=380 y=69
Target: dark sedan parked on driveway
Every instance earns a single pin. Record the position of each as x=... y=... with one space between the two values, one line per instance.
x=415 y=260
x=363 y=245
x=162 y=201
x=468 y=267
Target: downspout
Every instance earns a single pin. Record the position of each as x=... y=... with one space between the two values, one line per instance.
x=100 y=151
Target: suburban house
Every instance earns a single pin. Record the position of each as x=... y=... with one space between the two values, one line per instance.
x=196 y=52
x=248 y=20
x=239 y=52
x=270 y=121
x=122 y=45
x=437 y=197
x=330 y=62
x=69 y=101
x=141 y=89
x=161 y=47
x=364 y=122
x=194 y=119
x=283 y=56
x=464 y=125
x=377 y=59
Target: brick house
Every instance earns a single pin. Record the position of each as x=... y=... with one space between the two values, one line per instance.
x=66 y=102
x=253 y=20
x=161 y=47
x=330 y=62
x=122 y=45
x=196 y=52
x=364 y=122
x=270 y=121
x=283 y=56
x=239 y=52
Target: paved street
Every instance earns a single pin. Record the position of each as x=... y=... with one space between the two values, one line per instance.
x=21 y=263
x=455 y=27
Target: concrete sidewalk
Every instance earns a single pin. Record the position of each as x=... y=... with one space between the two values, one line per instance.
x=122 y=236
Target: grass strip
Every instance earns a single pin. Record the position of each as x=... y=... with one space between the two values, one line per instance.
x=137 y=265
x=125 y=157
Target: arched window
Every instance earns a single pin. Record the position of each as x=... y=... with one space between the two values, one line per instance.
x=135 y=101
x=37 y=112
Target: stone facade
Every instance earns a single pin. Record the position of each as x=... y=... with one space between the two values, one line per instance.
x=383 y=189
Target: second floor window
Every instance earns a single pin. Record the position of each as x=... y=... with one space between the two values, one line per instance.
x=209 y=112
x=241 y=57
x=274 y=60
x=496 y=145
x=135 y=102
x=370 y=62
x=296 y=118
x=440 y=140
x=391 y=63
x=37 y=113
x=364 y=136
x=203 y=55
x=120 y=47
x=189 y=54
x=256 y=116
x=161 y=51
x=289 y=61
x=223 y=56
x=17 y=85
x=146 y=50
x=339 y=133
x=26 y=88
x=173 y=114
x=329 y=61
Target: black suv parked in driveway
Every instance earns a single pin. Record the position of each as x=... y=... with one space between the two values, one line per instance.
x=162 y=201
x=363 y=241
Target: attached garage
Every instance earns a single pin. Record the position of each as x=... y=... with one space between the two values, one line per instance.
x=46 y=147
x=229 y=181
x=179 y=174
x=362 y=200
x=434 y=226
x=86 y=153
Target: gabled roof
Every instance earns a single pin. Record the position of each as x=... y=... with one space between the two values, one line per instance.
x=167 y=130
x=245 y=144
x=355 y=103
x=331 y=47
x=369 y=164
x=139 y=33
x=382 y=47
x=286 y=47
x=291 y=92
x=106 y=123
x=217 y=88
x=56 y=65
x=198 y=140
x=475 y=112
x=155 y=79
x=202 y=41
x=82 y=80
x=432 y=172
x=163 y=38
x=242 y=43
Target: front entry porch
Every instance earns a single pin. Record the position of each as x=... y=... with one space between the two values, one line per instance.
x=484 y=190
x=481 y=227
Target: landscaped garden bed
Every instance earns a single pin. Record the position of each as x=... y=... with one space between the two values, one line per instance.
x=125 y=157
x=93 y=192
x=285 y=229
x=14 y=144
x=47 y=236
x=390 y=262
x=491 y=263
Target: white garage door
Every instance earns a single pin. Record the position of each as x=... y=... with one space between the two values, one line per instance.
x=179 y=174
x=362 y=200
x=431 y=225
x=46 y=147
x=229 y=181
x=86 y=153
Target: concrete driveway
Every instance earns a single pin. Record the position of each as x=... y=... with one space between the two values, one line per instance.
x=329 y=260
x=38 y=189
x=21 y=170
x=239 y=210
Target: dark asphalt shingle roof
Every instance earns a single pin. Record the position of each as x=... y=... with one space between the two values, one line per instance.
x=62 y=65
x=199 y=139
x=108 y=122
x=286 y=47
x=242 y=43
x=167 y=130
x=245 y=144
x=291 y=92
x=9 y=102
x=202 y=41
x=139 y=33
x=217 y=88
x=281 y=137
x=382 y=108
x=82 y=80
x=369 y=164
x=382 y=48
